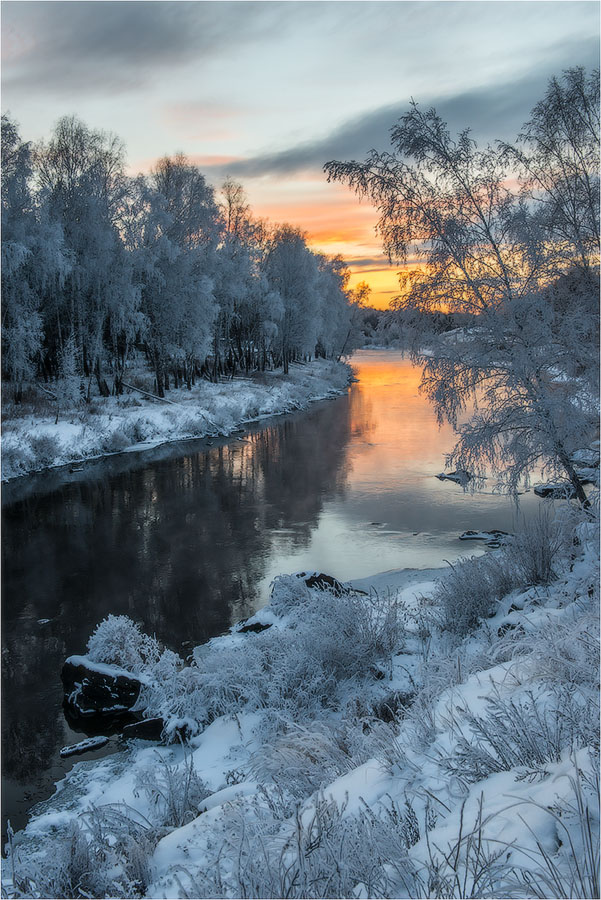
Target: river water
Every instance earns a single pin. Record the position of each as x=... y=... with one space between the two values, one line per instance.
x=186 y=540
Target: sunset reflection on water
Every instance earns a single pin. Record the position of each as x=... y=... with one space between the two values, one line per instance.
x=393 y=512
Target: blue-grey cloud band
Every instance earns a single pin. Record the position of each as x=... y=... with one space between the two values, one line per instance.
x=494 y=112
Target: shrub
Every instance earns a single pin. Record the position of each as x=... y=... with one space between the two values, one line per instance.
x=574 y=870
x=515 y=733
x=105 y=853
x=536 y=549
x=471 y=591
x=119 y=641
x=45 y=448
x=116 y=440
x=174 y=792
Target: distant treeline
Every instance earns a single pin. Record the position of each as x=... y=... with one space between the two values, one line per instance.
x=97 y=265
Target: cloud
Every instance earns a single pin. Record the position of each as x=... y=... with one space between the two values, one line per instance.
x=493 y=112
x=68 y=47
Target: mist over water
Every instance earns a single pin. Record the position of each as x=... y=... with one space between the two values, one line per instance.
x=186 y=540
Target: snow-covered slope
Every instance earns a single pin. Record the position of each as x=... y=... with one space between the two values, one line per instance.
x=362 y=745
x=133 y=421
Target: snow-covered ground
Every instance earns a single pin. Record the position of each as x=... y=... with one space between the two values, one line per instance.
x=370 y=743
x=133 y=422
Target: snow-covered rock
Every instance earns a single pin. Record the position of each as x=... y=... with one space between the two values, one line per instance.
x=494 y=535
x=98 y=689
x=91 y=743
x=458 y=477
x=559 y=490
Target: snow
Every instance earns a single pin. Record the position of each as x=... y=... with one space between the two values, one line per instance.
x=398 y=798
x=134 y=422
x=104 y=668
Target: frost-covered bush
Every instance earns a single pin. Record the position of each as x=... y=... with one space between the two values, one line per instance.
x=116 y=440
x=319 y=851
x=574 y=870
x=526 y=732
x=535 y=550
x=15 y=459
x=174 y=792
x=287 y=593
x=45 y=448
x=119 y=641
x=305 y=758
x=294 y=671
x=104 y=853
x=471 y=591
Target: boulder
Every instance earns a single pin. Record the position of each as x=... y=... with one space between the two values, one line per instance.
x=556 y=490
x=91 y=743
x=95 y=689
x=254 y=627
x=459 y=477
x=323 y=582
x=146 y=729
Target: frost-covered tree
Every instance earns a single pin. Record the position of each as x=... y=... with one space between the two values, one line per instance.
x=35 y=261
x=483 y=252
x=338 y=321
x=175 y=243
x=81 y=177
x=97 y=265
x=293 y=274
x=557 y=156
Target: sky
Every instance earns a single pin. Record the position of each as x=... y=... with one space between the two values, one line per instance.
x=267 y=92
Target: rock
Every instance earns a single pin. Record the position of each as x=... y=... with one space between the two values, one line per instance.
x=94 y=689
x=91 y=743
x=254 y=627
x=495 y=536
x=146 y=729
x=585 y=458
x=557 y=490
x=459 y=477
x=323 y=583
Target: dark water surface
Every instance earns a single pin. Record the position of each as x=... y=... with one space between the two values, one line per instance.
x=186 y=539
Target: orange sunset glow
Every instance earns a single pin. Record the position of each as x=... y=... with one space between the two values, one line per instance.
x=336 y=223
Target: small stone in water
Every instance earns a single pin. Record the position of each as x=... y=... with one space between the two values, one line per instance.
x=92 y=743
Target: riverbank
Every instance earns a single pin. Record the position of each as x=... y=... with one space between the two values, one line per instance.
x=43 y=436
x=413 y=734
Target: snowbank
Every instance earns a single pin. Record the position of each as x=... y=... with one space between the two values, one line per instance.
x=361 y=746
x=136 y=422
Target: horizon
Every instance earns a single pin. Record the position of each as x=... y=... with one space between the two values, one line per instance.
x=198 y=77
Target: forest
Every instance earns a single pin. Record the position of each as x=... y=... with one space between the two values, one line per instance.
x=99 y=266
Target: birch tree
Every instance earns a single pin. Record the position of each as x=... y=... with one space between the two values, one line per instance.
x=35 y=261
x=482 y=250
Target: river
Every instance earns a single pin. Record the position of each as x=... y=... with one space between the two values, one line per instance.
x=186 y=540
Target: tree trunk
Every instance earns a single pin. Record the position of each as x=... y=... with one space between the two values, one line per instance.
x=574 y=480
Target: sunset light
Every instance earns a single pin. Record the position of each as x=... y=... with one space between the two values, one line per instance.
x=300 y=449
x=270 y=101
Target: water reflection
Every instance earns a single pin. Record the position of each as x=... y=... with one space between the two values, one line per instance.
x=180 y=545
x=187 y=540
x=395 y=513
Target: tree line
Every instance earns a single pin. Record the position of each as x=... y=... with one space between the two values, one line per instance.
x=507 y=238
x=98 y=265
